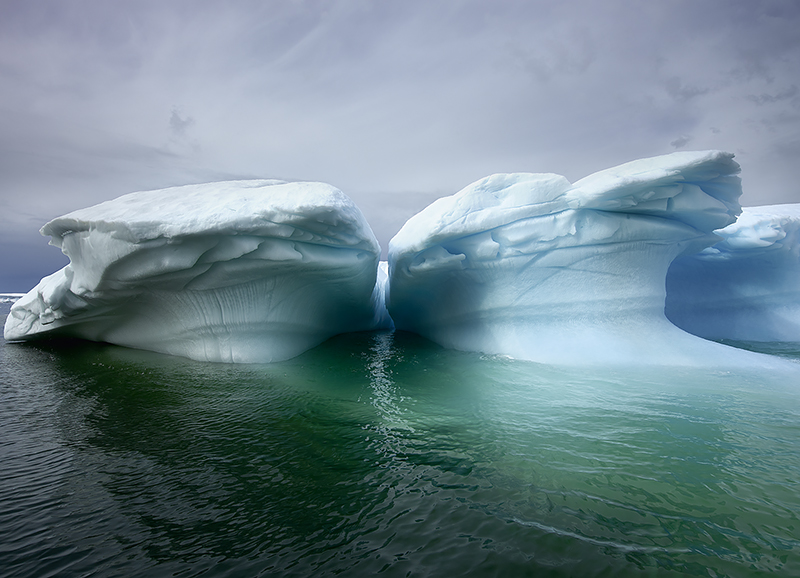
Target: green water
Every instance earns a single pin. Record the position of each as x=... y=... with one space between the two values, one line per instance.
x=385 y=454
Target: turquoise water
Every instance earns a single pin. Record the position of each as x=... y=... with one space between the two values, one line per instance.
x=383 y=453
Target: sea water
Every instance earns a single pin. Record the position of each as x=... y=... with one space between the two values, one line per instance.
x=382 y=453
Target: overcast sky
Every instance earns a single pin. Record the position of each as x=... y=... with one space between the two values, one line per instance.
x=394 y=102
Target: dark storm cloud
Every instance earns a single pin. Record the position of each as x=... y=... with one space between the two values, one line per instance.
x=381 y=98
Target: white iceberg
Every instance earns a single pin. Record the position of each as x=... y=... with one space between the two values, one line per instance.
x=239 y=271
x=531 y=266
x=747 y=286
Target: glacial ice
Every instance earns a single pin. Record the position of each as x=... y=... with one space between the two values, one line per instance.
x=747 y=286
x=238 y=271
x=626 y=266
x=531 y=266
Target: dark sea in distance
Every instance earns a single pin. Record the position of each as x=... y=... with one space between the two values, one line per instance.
x=382 y=453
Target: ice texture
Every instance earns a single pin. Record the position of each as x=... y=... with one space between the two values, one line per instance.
x=531 y=266
x=747 y=286
x=237 y=271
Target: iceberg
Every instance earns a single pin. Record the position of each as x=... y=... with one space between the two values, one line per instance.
x=536 y=268
x=237 y=271
x=747 y=286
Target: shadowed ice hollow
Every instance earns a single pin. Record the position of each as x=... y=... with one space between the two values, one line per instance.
x=747 y=286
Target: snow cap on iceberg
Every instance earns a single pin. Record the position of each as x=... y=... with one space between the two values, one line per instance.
x=745 y=287
x=246 y=271
x=532 y=266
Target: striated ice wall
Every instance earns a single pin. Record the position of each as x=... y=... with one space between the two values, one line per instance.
x=242 y=271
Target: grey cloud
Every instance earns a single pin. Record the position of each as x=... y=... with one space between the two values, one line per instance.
x=678 y=90
x=380 y=98
x=789 y=93
x=556 y=57
x=681 y=141
x=179 y=124
x=789 y=149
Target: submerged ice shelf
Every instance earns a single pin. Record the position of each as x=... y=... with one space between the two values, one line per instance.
x=241 y=271
x=525 y=265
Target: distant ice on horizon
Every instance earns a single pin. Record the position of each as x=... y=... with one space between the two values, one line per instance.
x=10 y=297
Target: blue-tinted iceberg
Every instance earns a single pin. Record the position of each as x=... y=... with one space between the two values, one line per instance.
x=240 y=271
x=531 y=266
x=747 y=286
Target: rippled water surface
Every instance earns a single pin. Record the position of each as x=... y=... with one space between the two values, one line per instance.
x=385 y=453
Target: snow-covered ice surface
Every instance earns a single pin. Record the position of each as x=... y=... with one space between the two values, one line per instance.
x=747 y=286
x=238 y=271
x=531 y=266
